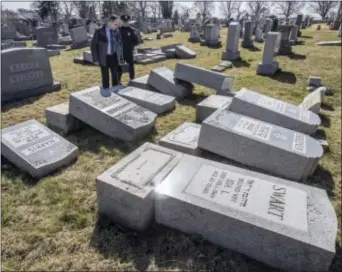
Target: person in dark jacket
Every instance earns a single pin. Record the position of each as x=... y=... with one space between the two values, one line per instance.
x=129 y=40
x=105 y=47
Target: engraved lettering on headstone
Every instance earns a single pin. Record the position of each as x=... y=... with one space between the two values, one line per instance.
x=40 y=146
x=271 y=103
x=253 y=128
x=187 y=134
x=299 y=143
x=277 y=202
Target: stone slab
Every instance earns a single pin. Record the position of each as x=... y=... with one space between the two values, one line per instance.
x=274 y=111
x=226 y=64
x=314 y=81
x=268 y=69
x=170 y=46
x=59 y=118
x=36 y=149
x=184 y=139
x=155 y=102
x=218 y=68
x=53 y=52
x=162 y=79
x=204 y=77
x=277 y=150
x=170 y=53
x=330 y=43
x=312 y=102
x=125 y=192
x=141 y=82
x=113 y=115
x=88 y=57
x=184 y=52
x=209 y=105
x=55 y=46
x=151 y=58
x=284 y=224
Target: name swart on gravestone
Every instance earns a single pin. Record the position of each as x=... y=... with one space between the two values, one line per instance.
x=274 y=111
x=237 y=208
x=285 y=153
x=232 y=45
x=268 y=66
x=26 y=72
x=155 y=102
x=46 y=36
x=209 y=105
x=183 y=139
x=36 y=149
x=114 y=116
x=125 y=191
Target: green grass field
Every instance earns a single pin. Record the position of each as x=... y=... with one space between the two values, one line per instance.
x=52 y=224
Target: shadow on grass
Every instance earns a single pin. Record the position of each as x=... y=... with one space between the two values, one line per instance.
x=327 y=107
x=337 y=261
x=193 y=100
x=306 y=37
x=240 y=63
x=325 y=120
x=320 y=134
x=7 y=106
x=323 y=179
x=253 y=49
x=284 y=77
x=296 y=56
x=167 y=249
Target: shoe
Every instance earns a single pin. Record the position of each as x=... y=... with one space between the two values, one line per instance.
x=105 y=92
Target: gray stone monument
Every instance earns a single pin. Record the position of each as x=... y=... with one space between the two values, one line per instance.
x=313 y=101
x=26 y=72
x=155 y=102
x=294 y=34
x=184 y=139
x=209 y=105
x=194 y=35
x=113 y=115
x=87 y=57
x=287 y=225
x=59 y=118
x=268 y=65
x=268 y=27
x=247 y=38
x=36 y=149
x=79 y=37
x=285 y=44
x=46 y=36
x=8 y=33
x=162 y=79
x=274 y=111
x=258 y=35
x=339 y=31
x=274 y=149
x=141 y=82
x=125 y=192
x=184 y=52
x=211 y=35
x=214 y=80
x=299 y=20
x=232 y=45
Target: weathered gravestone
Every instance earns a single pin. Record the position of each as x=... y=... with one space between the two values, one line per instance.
x=114 y=116
x=294 y=34
x=155 y=102
x=339 y=31
x=184 y=139
x=79 y=37
x=277 y=150
x=268 y=65
x=232 y=45
x=194 y=35
x=125 y=192
x=258 y=35
x=313 y=101
x=209 y=105
x=247 y=38
x=59 y=118
x=26 y=72
x=274 y=111
x=314 y=81
x=8 y=33
x=285 y=44
x=36 y=149
x=299 y=20
x=47 y=37
x=184 y=52
x=268 y=27
x=214 y=80
x=211 y=35
x=162 y=79
x=141 y=82
x=287 y=225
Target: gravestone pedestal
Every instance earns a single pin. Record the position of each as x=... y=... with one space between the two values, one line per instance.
x=268 y=66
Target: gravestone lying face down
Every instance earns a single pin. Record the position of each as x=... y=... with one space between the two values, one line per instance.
x=274 y=111
x=209 y=105
x=26 y=72
x=184 y=139
x=114 y=116
x=284 y=224
x=36 y=149
x=125 y=192
x=274 y=149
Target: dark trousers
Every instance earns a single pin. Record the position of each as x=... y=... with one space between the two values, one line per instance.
x=113 y=66
x=131 y=71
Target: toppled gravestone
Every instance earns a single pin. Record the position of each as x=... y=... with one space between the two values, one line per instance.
x=277 y=150
x=284 y=224
x=36 y=149
x=184 y=52
x=114 y=116
x=155 y=102
x=312 y=102
x=184 y=139
x=274 y=111
x=209 y=105
x=141 y=82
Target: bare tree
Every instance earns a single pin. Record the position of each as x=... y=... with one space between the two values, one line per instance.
x=204 y=8
x=66 y=9
x=166 y=9
x=240 y=10
x=227 y=8
x=154 y=9
x=322 y=7
x=139 y=8
x=86 y=9
x=288 y=8
x=259 y=8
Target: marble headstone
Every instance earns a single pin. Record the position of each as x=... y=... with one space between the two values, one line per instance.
x=209 y=105
x=247 y=38
x=36 y=149
x=293 y=34
x=258 y=35
x=232 y=45
x=268 y=65
x=194 y=34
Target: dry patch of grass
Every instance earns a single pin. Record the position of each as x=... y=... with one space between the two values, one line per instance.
x=53 y=224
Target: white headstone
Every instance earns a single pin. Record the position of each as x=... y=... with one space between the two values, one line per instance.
x=268 y=66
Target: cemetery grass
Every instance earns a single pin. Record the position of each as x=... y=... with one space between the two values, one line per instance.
x=52 y=224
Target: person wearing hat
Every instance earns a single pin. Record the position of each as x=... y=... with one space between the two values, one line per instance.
x=129 y=40
x=105 y=48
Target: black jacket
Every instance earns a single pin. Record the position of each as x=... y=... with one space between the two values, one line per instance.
x=129 y=40
x=99 y=45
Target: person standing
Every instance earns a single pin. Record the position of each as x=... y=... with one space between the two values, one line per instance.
x=129 y=40
x=105 y=48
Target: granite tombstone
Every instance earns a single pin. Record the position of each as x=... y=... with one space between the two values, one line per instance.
x=268 y=65
x=209 y=105
x=232 y=45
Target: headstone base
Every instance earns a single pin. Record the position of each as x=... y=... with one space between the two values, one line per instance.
x=247 y=44
x=268 y=69
x=230 y=55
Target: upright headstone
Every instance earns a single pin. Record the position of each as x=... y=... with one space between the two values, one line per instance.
x=79 y=37
x=274 y=111
x=36 y=149
x=184 y=52
x=209 y=105
x=258 y=35
x=277 y=150
x=46 y=36
x=25 y=72
x=211 y=34
x=287 y=225
x=285 y=44
x=184 y=139
x=268 y=27
x=294 y=34
x=339 y=31
x=232 y=45
x=125 y=192
x=8 y=33
x=247 y=38
x=113 y=115
x=194 y=34
x=268 y=65
x=214 y=80
x=275 y=25
x=299 y=20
